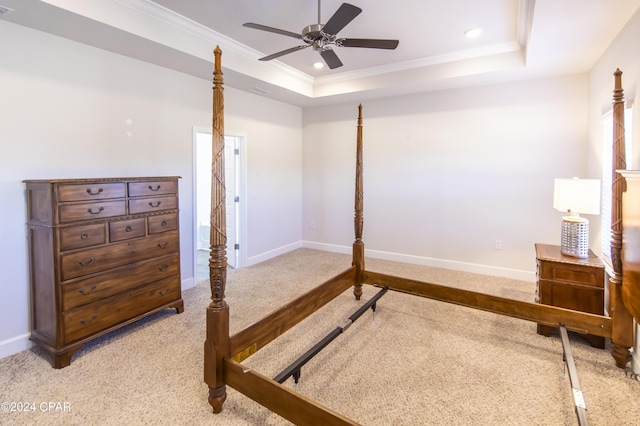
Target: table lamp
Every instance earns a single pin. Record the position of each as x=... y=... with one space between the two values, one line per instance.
x=576 y=196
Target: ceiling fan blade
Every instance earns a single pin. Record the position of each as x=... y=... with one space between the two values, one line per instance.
x=284 y=52
x=345 y=14
x=331 y=58
x=367 y=42
x=272 y=30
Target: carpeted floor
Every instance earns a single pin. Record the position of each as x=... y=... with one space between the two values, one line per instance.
x=412 y=362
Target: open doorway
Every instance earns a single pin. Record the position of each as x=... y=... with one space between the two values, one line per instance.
x=202 y=161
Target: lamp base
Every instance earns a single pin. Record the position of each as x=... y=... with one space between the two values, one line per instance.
x=575 y=237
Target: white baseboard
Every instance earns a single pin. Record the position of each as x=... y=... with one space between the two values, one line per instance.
x=188 y=283
x=495 y=271
x=273 y=253
x=14 y=345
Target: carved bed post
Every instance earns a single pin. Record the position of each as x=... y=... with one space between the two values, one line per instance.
x=358 y=245
x=216 y=346
x=622 y=321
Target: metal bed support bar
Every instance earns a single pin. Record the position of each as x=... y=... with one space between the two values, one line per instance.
x=294 y=369
x=578 y=398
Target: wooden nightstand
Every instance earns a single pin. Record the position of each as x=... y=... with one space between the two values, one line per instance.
x=570 y=282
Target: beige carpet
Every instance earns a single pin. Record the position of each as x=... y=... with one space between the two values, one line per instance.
x=413 y=362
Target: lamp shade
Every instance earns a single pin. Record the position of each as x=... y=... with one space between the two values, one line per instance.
x=577 y=195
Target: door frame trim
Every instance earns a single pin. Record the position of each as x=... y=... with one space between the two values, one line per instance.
x=241 y=211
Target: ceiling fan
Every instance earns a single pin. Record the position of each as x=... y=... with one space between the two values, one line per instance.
x=322 y=37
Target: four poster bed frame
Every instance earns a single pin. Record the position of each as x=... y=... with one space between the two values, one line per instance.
x=223 y=353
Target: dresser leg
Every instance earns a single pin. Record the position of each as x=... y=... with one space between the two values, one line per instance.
x=63 y=359
x=179 y=306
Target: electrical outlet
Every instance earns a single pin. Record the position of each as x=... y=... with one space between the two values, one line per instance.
x=498 y=244
x=312 y=224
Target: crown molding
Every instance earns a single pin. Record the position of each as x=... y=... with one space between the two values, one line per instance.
x=169 y=17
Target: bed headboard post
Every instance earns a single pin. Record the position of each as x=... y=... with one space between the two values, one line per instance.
x=216 y=346
x=358 y=245
x=622 y=324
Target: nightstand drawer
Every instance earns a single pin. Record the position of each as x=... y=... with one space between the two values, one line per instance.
x=576 y=297
x=572 y=274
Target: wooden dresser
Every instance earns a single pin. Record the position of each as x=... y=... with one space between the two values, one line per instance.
x=570 y=282
x=103 y=254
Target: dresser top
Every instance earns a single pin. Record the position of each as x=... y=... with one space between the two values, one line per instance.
x=116 y=179
x=553 y=253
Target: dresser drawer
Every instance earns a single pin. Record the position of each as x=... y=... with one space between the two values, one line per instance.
x=163 y=223
x=88 y=290
x=152 y=188
x=82 y=236
x=90 y=211
x=90 y=191
x=90 y=319
x=152 y=204
x=91 y=261
x=126 y=229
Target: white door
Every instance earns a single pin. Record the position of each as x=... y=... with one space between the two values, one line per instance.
x=203 y=158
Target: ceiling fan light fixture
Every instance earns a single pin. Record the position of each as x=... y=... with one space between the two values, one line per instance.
x=473 y=32
x=318 y=65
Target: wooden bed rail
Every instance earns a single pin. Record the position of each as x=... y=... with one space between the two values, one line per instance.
x=549 y=315
x=280 y=399
x=259 y=334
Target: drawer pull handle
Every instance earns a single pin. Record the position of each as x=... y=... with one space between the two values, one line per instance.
x=93 y=287
x=152 y=189
x=91 y=260
x=151 y=204
x=163 y=245
x=98 y=212
x=84 y=236
x=163 y=223
x=128 y=228
x=85 y=322
x=163 y=267
x=94 y=193
x=164 y=292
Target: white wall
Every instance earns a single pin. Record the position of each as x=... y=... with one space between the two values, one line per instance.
x=68 y=110
x=623 y=53
x=446 y=174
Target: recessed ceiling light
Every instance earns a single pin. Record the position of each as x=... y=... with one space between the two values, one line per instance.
x=318 y=65
x=473 y=32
